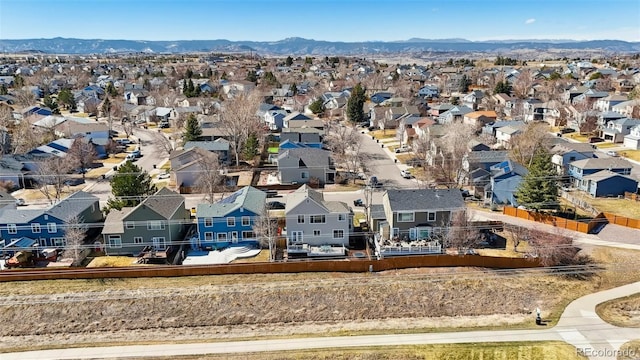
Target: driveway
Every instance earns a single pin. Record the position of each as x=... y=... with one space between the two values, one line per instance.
x=579 y=326
x=379 y=162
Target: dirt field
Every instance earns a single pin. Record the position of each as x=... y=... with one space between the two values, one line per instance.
x=67 y=313
x=624 y=312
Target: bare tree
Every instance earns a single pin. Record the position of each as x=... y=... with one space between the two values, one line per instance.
x=210 y=178
x=522 y=84
x=24 y=97
x=462 y=235
x=525 y=144
x=82 y=154
x=238 y=120
x=400 y=132
x=74 y=234
x=447 y=162
x=265 y=228
x=51 y=175
x=165 y=145
x=551 y=249
x=23 y=138
x=345 y=144
x=518 y=235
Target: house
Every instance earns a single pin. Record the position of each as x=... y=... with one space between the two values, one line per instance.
x=316 y=227
x=417 y=214
x=137 y=97
x=159 y=221
x=473 y=99
x=609 y=183
x=310 y=139
x=505 y=180
x=6 y=201
x=565 y=153
x=626 y=108
x=480 y=118
x=455 y=114
x=429 y=91
x=379 y=97
x=483 y=159
x=506 y=133
x=632 y=140
x=608 y=102
x=300 y=166
x=188 y=164
x=31 y=110
x=219 y=146
x=293 y=117
x=231 y=220
x=579 y=169
x=48 y=226
x=616 y=130
x=275 y=119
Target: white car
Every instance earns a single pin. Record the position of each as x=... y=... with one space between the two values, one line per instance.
x=612 y=153
x=164 y=176
x=403 y=148
x=406 y=174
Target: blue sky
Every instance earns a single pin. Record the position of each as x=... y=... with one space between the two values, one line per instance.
x=333 y=20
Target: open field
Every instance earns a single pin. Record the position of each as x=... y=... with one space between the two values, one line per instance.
x=485 y=351
x=622 y=207
x=623 y=312
x=250 y=306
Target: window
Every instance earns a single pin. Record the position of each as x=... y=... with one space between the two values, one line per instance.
x=231 y=221
x=115 y=241
x=396 y=232
x=222 y=236
x=130 y=225
x=138 y=240
x=35 y=228
x=304 y=175
x=246 y=221
x=317 y=219
x=342 y=217
x=155 y=225
x=208 y=236
x=208 y=222
x=248 y=235
x=42 y=242
x=406 y=217
x=300 y=219
x=316 y=232
x=59 y=242
x=52 y=228
x=338 y=234
x=12 y=229
x=431 y=216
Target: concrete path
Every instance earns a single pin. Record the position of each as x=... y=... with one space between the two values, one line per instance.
x=579 y=326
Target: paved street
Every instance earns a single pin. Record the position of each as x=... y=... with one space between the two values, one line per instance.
x=579 y=326
x=379 y=162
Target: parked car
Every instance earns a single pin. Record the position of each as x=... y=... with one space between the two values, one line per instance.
x=415 y=162
x=567 y=131
x=124 y=141
x=74 y=182
x=20 y=202
x=131 y=157
x=163 y=124
x=595 y=139
x=271 y=193
x=358 y=202
x=406 y=174
x=164 y=176
x=275 y=205
x=612 y=153
x=403 y=148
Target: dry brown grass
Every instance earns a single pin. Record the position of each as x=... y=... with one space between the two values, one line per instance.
x=622 y=207
x=97 y=172
x=403 y=158
x=606 y=145
x=578 y=137
x=623 y=312
x=383 y=134
x=112 y=261
x=630 y=350
x=263 y=256
x=631 y=154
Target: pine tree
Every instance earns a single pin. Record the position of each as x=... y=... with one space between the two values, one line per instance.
x=251 y=147
x=192 y=129
x=539 y=188
x=289 y=61
x=355 y=104
x=294 y=89
x=65 y=97
x=316 y=106
x=129 y=186
x=51 y=103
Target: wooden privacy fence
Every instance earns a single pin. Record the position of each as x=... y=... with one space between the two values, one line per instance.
x=580 y=226
x=343 y=265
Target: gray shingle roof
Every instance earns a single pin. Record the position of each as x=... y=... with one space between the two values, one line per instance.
x=602 y=163
x=16 y=216
x=487 y=156
x=164 y=202
x=73 y=205
x=605 y=174
x=425 y=199
x=217 y=145
x=312 y=157
x=113 y=224
x=377 y=212
x=248 y=198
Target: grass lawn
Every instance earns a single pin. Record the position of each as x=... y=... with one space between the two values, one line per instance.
x=578 y=137
x=622 y=207
x=403 y=158
x=623 y=312
x=272 y=150
x=357 y=217
x=111 y=160
x=383 y=134
x=629 y=350
x=166 y=166
x=97 y=172
x=549 y=350
x=606 y=145
x=263 y=256
x=112 y=261
x=631 y=154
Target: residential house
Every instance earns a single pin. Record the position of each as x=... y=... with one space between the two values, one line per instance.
x=608 y=102
x=579 y=169
x=455 y=114
x=6 y=201
x=48 y=226
x=187 y=165
x=137 y=97
x=565 y=153
x=295 y=116
x=30 y=111
x=473 y=99
x=417 y=214
x=316 y=227
x=429 y=91
x=483 y=159
x=504 y=134
x=379 y=97
x=632 y=140
x=616 y=130
x=301 y=166
x=505 y=179
x=626 y=108
x=219 y=146
x=230 y=221
x=608 y=183
x=309 y=139
x=480 y=118
x=159 y=222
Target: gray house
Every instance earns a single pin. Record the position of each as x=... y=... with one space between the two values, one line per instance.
x=415 y=214
x=159 y=221
x=316 y=227
x=301 y=165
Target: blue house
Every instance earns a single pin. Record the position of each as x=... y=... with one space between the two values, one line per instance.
x=609 y=183
x=379 y=97
x=579 y=169
x=47 y=226
x=505 y=180
x=230 y=221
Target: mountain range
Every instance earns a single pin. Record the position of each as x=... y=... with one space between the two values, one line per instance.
x=301 y=46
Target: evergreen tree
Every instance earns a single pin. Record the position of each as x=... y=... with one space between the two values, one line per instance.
x=129 y=186
x=111 y=90
x=192 y=129
x=190 y=88
x=355 y=104
x=65 y=97
x=252 y=76
x=316 y=106
x=463 y=86
x=308 y=60
x=539 y=188
x=185 y=88
x=251 y=147
x=294 y=89
x=3 y=89
x=502 y=87
x=289 y=61
x=51 y=103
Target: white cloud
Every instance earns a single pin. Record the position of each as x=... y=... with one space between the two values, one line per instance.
x=530 y=21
